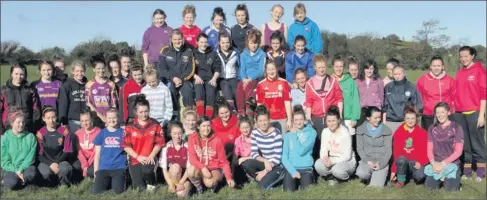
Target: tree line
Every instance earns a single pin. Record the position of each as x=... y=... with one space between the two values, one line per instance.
x=414 y=54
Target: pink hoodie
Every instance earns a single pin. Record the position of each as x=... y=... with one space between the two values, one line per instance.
x=86 y=148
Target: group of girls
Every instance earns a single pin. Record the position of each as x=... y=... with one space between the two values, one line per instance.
x=306 y=120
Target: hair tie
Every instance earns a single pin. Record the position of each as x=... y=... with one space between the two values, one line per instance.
x=13 y=116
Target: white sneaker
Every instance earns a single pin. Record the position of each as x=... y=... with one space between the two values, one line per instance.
x=332 y=182
x=466 y=178
x=478 y=179
x=150 y=188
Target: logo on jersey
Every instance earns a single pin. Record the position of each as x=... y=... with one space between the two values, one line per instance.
x=60 y=141
x=112 y=142
x=279 y=87
x=152 y=133
x=189 y=38
x=134 y=134
x=471 y=78
x=209 y=61
x=94 y=91
x=170 y=58
x=306 y=28
x=185 y=59
x=40 y=89
x=407 y=93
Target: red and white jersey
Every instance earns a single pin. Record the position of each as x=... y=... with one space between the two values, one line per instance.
x=273 y=94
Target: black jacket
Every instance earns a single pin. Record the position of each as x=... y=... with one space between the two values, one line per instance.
x=207 y=63
x=71 y=100
x=173 y=63
x=23 y=96
x=397 y=95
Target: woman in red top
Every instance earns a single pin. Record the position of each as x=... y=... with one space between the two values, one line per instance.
x=469 y=101
x=275 y=93
x=142 y=140
x=435 y=86
x=207 y=158
x=409 y=149
x=189 y=29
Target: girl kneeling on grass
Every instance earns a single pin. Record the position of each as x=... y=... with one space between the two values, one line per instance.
x=55 y=148
x=142 y=140
x=190 y=118
x=110 y=159
x=18 y=152
x=174 y=161
x=243 y=146
x=265 y=165
x=297 y=150
x=337 y=159
x=207 y=158
x=86 y=149
x=445 y=145
x=374 y=146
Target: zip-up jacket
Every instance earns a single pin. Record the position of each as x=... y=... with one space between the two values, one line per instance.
x=252 y=66
x=329 y=93
x=351 y=99
x=208 y=153
x=374 y=145
x=207 y=63
x=71 y=100
x=229 y=63
x=18 y=152
x=176 y=63
x=293 y=62
x=86 y=147
x=310 y=30
x=371 y=94
x=23 y=96
x=398 y=94
x=434 y=90
x=471 y=88
x=127 y=96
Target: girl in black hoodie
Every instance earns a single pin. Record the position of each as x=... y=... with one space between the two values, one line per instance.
x=71 y=98
x=18 y=92
x=208 y=66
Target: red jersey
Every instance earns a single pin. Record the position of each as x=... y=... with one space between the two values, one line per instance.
x=434 y=90
x=320 y=96
x=142 y=139
x=190 y=34
x=127 y=98
x=412 y=145
x=273 y=94
x=472 y=88
x=228 y=133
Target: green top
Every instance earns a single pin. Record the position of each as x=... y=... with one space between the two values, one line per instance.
x=18 y=152
x=351 y=99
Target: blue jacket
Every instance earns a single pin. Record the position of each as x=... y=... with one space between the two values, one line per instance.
x=297 y=149
x=293 y=62
x=310 y=30
x=251 y=66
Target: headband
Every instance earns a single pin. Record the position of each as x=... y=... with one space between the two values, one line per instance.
x=13 y=116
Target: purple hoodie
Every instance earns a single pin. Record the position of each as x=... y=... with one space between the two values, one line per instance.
x=47 y=92
x=155 y=38
x=371 y=94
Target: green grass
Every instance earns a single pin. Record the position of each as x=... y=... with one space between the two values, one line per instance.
x=352 y=190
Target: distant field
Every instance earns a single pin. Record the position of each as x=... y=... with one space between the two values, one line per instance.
x=33 y=74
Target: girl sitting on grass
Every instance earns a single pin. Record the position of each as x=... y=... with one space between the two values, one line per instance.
x=86 y=149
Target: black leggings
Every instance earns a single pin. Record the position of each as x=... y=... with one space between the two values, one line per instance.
x=105 y=178
x=291 y=184
x=205 y=92
x=270 y=180
x=142 y=175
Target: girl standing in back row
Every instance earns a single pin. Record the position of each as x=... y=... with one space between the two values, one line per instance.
x=267 y=29
x=218 y=20
x=306 y=27
x=155 y=37
x=189 y=29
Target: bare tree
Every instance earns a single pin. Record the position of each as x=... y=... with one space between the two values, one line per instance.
x=430 y=33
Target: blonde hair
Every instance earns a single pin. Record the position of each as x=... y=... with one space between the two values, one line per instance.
x=189 y=9
x=150 y=71
x=299 y=7
x=149 y=67
x=318 y=58
x=278 y=6
x=78 y=63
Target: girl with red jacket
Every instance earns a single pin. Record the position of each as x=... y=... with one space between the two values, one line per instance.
x=189 y=29
x=207 y=158
x=85 y=145
x=128 y=93
x=470 y=99
x=409 y=150
x=142 y=140
x=435 y=86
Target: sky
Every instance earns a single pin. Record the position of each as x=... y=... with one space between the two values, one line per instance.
x=39 y=25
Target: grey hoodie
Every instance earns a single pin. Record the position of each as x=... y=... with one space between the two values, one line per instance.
x=374 y=147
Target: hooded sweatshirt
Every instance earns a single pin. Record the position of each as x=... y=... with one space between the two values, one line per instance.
x=18 y=152
x=228 y=133
x=207 y=63
x=410 y=145
x=154 y=39
x=190 y=34
x=23 y=96
x=252 y=66
x=374 y=146
x=436 y=89
x=470 y=83
x=320 y=99
x=279 y=57
x=142 y=138
x=54 y=146
x=371 y=94
x=337 y=146
x=214 y=33
x=297 y=149
x=176 y=63
x=86 y=147
x=208 y=153
x=160 y=102
x=398 y=94
x=127 y=97
x=295 y=61
x=351 y=98
x=229 y=63
x=310 y=30
x=47 y=92
x=71 y=100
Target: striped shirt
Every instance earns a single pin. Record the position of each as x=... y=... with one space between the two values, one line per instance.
x=160 y=102
x=269 y=146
